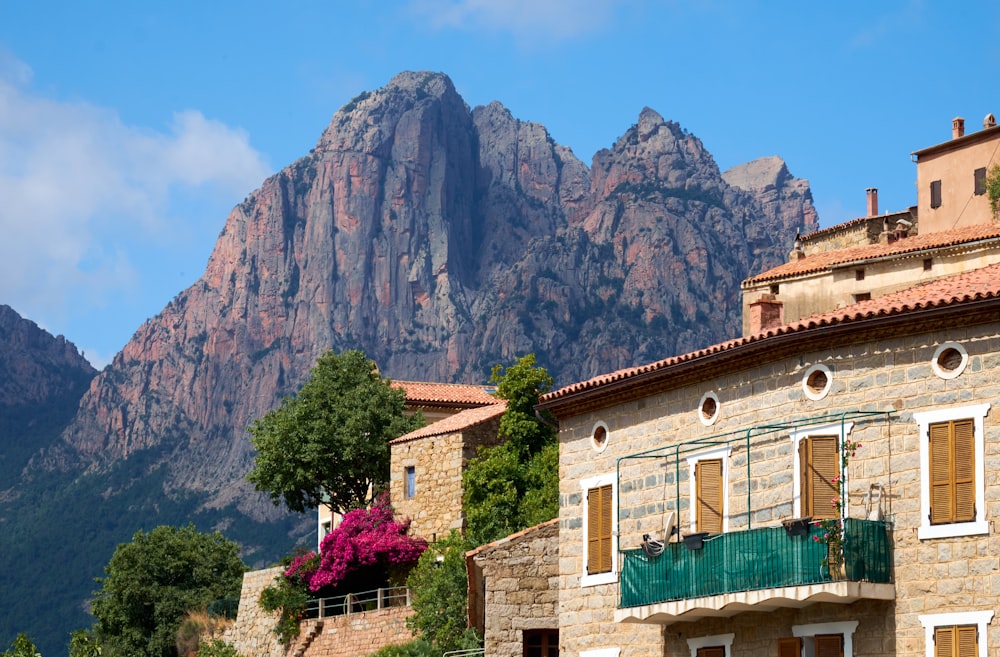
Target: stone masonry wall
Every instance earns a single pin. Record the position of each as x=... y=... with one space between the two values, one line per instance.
x=253 y=632
x=436 y=507
x=521 y=577
x=889 y=374
x=353 y=635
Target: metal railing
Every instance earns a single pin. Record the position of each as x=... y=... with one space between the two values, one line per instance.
x=354 y=603
x=762 y=558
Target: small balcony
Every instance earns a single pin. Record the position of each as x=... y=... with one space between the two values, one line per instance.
x=754 y=570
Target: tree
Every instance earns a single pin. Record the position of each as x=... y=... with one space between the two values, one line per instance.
x=330 y=443
x=516 y=483
x=439 y=586
x=993 y=189
x=21 y=647
x=151 y=584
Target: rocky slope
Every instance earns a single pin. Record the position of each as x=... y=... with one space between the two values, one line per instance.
x=440 y=240
x=42 y=378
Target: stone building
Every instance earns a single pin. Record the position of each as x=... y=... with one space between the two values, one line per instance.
x=436 y=402
x=825 y=485
x=425 y=480
x=517 y=579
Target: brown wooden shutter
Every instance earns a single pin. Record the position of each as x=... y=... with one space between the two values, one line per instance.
x=711 y=651
x=822 y=466
x=790 y=647
x=599 y=527
x=944 y=642
x=829 y=645
x=942 y=503
x=960 y=641
x=708 y=478
x=963 y=437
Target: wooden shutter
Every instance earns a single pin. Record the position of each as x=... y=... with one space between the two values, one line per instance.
x=829 y=645
x=979 y=178
x=956 y=641
x=708 y=479
x=820 y=465
x=599 y=527
x=790 y=647
x=964 y=440
x=711 y=651
x=936 y=194
x=952 y=471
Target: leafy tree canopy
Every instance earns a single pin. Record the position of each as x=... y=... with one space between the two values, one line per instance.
x=21 y=647
x=439 y=586
x=515 y=484
x=330 y=443
x=152 y=582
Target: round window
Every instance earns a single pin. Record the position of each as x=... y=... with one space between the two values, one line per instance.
x=949 y=360
x=708 y=409
x=599 y=438
x=817 y=381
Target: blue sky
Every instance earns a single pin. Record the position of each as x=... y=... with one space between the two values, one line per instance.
x=129 y=130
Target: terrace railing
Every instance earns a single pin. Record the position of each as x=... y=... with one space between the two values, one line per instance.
x=763 y=558
x=353 y=603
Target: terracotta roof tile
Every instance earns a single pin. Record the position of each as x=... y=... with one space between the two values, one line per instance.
x=977 y=285
x=457 y=422
x=512 y=537
x=827 y=259
x=418 y=392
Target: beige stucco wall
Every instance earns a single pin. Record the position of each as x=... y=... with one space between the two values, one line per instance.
x=892 y=374
x=824 y=291
x=436 y=507
x=521 y=582
x=954 y=168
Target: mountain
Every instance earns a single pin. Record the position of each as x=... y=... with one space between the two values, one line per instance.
x=440 y=240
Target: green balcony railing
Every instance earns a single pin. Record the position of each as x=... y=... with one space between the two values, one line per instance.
x=762 y=558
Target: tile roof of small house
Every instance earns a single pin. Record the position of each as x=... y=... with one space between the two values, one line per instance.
x=454 y=423
x=446 y=394
x=829 y=259
x=514 y=537
x=973 y=286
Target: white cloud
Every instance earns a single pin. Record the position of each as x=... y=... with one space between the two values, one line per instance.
x=525 y=19
x=79 y=189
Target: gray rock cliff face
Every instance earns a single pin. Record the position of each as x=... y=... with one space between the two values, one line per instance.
x=440 y=240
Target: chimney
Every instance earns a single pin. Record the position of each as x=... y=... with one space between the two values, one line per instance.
x=796 y=253
x=872 y=194
x=765 y=313
x=957 y=127
x=989 y=122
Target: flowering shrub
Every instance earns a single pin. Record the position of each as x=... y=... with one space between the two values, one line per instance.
x=364 y=538
x=833 y=528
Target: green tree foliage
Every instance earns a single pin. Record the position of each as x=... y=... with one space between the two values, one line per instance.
x=330 y=443
x=21 y=647
x=439 y=585
x=83 y=643
x=154 y=581
x=993 y=189
x=217 y=648
x=415 y=648
x=515 y=484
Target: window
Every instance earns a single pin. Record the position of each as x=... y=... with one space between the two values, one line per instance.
x=541 y=643
x=862 y=296
x=599 y=438
x=816 y=382
x=936 y=194
x=979 y=176
x=928 y=264
x=410 y=482
x=790 y=647
x=952 y=492
x=961 y=634
x=859 y=274
x=708 y=409
x=824 y=639
x=708 y=473
x=817 y=463
x=599 y=540
x=952 y=471
x=718 y=645
x=949 y=360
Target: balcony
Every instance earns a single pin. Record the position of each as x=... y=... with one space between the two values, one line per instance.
x=754 y=570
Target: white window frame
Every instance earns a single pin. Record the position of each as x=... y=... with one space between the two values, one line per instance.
x=586 y=579
x=718 y=453
x=924 y=420
x=933 y=621
x=845 y=628
x=840 y=429
x=724 y=640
